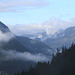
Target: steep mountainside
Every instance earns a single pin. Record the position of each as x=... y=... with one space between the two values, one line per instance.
x=67 y=37
x=4 y=28
x=22 y=43
x=18 y=53
x=35 y=46
x=13 y=45
x=8 y=41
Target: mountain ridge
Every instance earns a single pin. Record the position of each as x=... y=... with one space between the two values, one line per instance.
x=20 y=52
x=66 y=40
x=3 y=27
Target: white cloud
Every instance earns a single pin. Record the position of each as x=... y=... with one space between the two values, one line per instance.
x=25 y=56
x=5 y=37
x=21 y=5
x=24 y=28
x=40 y=36
x=50 y=26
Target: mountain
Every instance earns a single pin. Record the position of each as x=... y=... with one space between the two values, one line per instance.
x=42 y=36
x=37 y=36
x=12 y=43
x=3 y=27
x=23 y=43
x=64 y=38
x=31 y=36
x=18 y=53
x=35 y=46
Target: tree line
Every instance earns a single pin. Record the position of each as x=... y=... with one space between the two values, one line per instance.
x=63 y=63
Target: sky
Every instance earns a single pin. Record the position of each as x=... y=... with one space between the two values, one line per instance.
x=37 y=15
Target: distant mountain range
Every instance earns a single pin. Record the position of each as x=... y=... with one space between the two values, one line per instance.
x=37 y=36
x=24 y=43
x=58 y=39
x=43 y=35
x=64 y=38
x=23 y=51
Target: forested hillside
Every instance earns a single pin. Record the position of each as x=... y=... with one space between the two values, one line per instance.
x=62 y=64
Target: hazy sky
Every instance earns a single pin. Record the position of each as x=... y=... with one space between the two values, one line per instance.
x=26 y=12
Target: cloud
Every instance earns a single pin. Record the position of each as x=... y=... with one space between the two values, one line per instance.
x=50 y=27
x=25 y=56
x=5 y=37
x=26 y=28
x=21 y=5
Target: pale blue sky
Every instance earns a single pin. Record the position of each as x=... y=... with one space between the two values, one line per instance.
x=38 y=12
x=37 y=15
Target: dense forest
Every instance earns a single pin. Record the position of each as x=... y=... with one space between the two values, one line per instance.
x=63 y=63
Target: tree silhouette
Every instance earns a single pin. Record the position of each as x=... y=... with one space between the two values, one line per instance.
x=62 y=64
